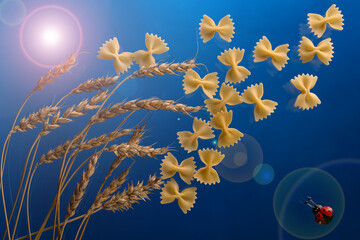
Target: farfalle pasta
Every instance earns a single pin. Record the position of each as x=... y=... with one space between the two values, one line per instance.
x=263 y=50
x=324 y=50
x=186 y=198
x=208 y=28
x=154 y=45
x=208 y=174
x=170 y=166
x=232 y=58
x=306 y=99
x=110 y=50
x=228 y=96
x=193 y=81
x=228 y=136
x=333 y=17
x=263 y=108
x=189 y=140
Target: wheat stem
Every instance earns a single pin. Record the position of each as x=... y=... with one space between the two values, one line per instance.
x=49 y=228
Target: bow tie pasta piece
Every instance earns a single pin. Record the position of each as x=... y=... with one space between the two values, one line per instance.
x=208 y=174
x=232 y=57
x=208 y=28
x=263 y=108
x=110 y=50
x=189 y=140
x=228 y=136
x=186 y=198
x=263 y=50
x=333 y=17
x=228 y=96
x=324 y=50
x=154 y=45
x=209 y=83
x=306 y=99
x=170 y=166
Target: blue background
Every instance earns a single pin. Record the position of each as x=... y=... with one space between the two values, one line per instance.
x=290 y=139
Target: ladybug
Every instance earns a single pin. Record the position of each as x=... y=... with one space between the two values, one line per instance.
x=323 y=215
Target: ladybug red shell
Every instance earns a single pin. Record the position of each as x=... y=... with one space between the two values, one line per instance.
x=324 y=216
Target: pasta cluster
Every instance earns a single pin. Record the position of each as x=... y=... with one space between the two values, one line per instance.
x=263 y=50
x=232 y=58
x=189 y=140
x=193 y=81
x=170 y=167
x=208 y=174
x=228 y=136
x=122 y=61
x=323 y=50
x=306 y=99
x=228 y=95
x=208 y=28
x=318 y=23
x=263 y=108
x=186 y=198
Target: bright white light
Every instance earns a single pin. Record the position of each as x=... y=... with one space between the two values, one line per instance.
x=51 y=37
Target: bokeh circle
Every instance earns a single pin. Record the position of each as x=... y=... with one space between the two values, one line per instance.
x=240 y=160
x=50 y=19
x=12 y=12
x=264 y=174
x=293 y=215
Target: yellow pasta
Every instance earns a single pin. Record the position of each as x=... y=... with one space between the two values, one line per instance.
x=306 y=99
x=324 y=50
x=263 y=51
x=186 y=198
x=110 y=50
x=208 y=28
x=170 y=166
x=333 y=17
x=232 y=57
x=193 y=81
x=189 y=140
x=154 y=45
x=208 y=174
x=228 y=136
x=263 y=108
x=228 y=96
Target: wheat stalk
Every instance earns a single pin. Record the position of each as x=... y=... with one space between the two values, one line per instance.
x=132 y=194
x=109 y=190
x=146 y=104
x=35 y=118
x=152 y=71
x=95 y=84
x=59 y=151
x=130 y=150
x=81 y=186
x=164 y=68
x=55 y=73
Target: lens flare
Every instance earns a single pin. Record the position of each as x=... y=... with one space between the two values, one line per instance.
x=12 y=12
x=49 y=34
x=51 y=37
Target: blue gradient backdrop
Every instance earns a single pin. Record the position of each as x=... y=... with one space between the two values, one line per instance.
x=290 y=139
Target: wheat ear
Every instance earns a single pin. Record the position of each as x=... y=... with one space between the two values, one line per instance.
x=80 y=189
x=95 y=84
x=146 y=104
x=55 y=73
x=132 y=194
x=169 y=69
x=48 y=78
x=164 y=68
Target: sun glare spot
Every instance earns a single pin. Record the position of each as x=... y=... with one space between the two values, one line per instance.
x=51 y=37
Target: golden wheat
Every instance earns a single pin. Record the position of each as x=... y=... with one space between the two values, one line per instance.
x=132 y=194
